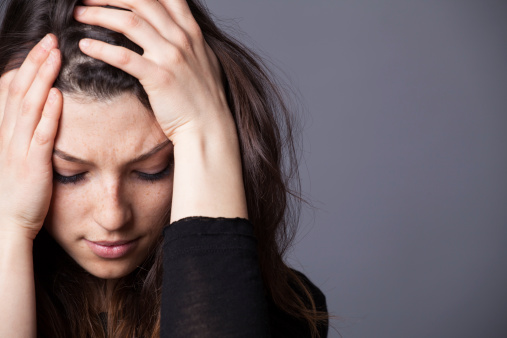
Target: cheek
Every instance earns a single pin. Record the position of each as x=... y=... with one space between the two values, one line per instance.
x=67 y=207
x=71 y=209
x=153 y=201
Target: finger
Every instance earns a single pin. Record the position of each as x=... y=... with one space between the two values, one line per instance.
x=180 y=12
x=41 y=147
x=128 y=23
x=28 y=70
x=5 y=82
x=34 y=101
x=22 y=82
x=150 y=10
x=119 y=57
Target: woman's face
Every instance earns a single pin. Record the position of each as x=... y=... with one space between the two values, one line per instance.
x=112 y=185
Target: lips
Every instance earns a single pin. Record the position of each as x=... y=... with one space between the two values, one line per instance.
x=106 y=243
x=112 y=250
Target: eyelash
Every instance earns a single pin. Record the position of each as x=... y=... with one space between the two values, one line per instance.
x=67 y=179
x=74 y=179
x=157 y=176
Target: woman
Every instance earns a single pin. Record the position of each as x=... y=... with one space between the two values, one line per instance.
x=120 y=117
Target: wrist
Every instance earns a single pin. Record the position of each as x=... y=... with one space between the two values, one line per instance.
x=13 y=238
x=208 y=179
x=15 y=229
x=216 y=133
x=17 y=290
x=15 y=251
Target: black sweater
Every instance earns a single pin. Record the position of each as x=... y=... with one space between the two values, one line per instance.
x=212 y=286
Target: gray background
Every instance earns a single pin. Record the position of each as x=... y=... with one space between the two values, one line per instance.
x=405 y=157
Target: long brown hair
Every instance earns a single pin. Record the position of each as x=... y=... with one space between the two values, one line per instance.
x=66 y=294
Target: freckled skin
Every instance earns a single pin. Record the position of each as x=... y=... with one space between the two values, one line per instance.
x=111 y=203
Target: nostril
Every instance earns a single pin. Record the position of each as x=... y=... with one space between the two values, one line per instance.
x=113 y=216
x=112 y=206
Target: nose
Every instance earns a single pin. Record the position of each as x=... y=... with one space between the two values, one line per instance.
x=112 y=208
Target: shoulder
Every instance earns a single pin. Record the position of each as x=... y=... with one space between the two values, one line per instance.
x=284 y=324
x=318 y=296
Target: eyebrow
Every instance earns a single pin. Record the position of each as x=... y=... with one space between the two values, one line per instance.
x=67 y=157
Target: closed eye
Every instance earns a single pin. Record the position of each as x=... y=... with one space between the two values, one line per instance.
x=68 y=179
x=74 y=179
x=157 y=176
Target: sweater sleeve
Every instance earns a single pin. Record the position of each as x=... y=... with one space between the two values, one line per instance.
x=285 y=326
x=212 y=285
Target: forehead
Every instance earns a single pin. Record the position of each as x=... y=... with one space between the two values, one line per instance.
x=117 y=128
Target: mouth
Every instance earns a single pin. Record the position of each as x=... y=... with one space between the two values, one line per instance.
x=112 y=250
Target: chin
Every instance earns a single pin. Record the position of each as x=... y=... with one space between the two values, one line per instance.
x=109 y=270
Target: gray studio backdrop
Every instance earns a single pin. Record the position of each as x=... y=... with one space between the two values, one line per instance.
x=405 y=157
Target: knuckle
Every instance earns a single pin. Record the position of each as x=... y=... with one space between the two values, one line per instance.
x=47 y=114
x=160 y=78
x=184 y=41
x=123 y=57
x=40 y=138
x=10 y=156
x=195 y=31
x=37 y=55
x=26 y=108
x=165 y=80
x=15 y=89
x=132 y=20
x=176 y=56
x=45 y=73
x=130 y=3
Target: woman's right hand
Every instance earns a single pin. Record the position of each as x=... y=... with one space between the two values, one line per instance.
x=29 y=113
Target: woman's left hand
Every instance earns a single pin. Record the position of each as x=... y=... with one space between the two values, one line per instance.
x=178 y=70
x=182 y=77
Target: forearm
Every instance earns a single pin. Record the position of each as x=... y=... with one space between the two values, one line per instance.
x=208 y=177
x=17 y=289
x=212 y=283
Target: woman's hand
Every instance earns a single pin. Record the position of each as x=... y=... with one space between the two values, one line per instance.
x=29 y=112
x=182 y=78
x=178 y=69
x=29 y=115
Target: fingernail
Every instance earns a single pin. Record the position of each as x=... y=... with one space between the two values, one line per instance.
x=51 y=58
x=47 y=42
x=80 y=10
x=84 y=43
